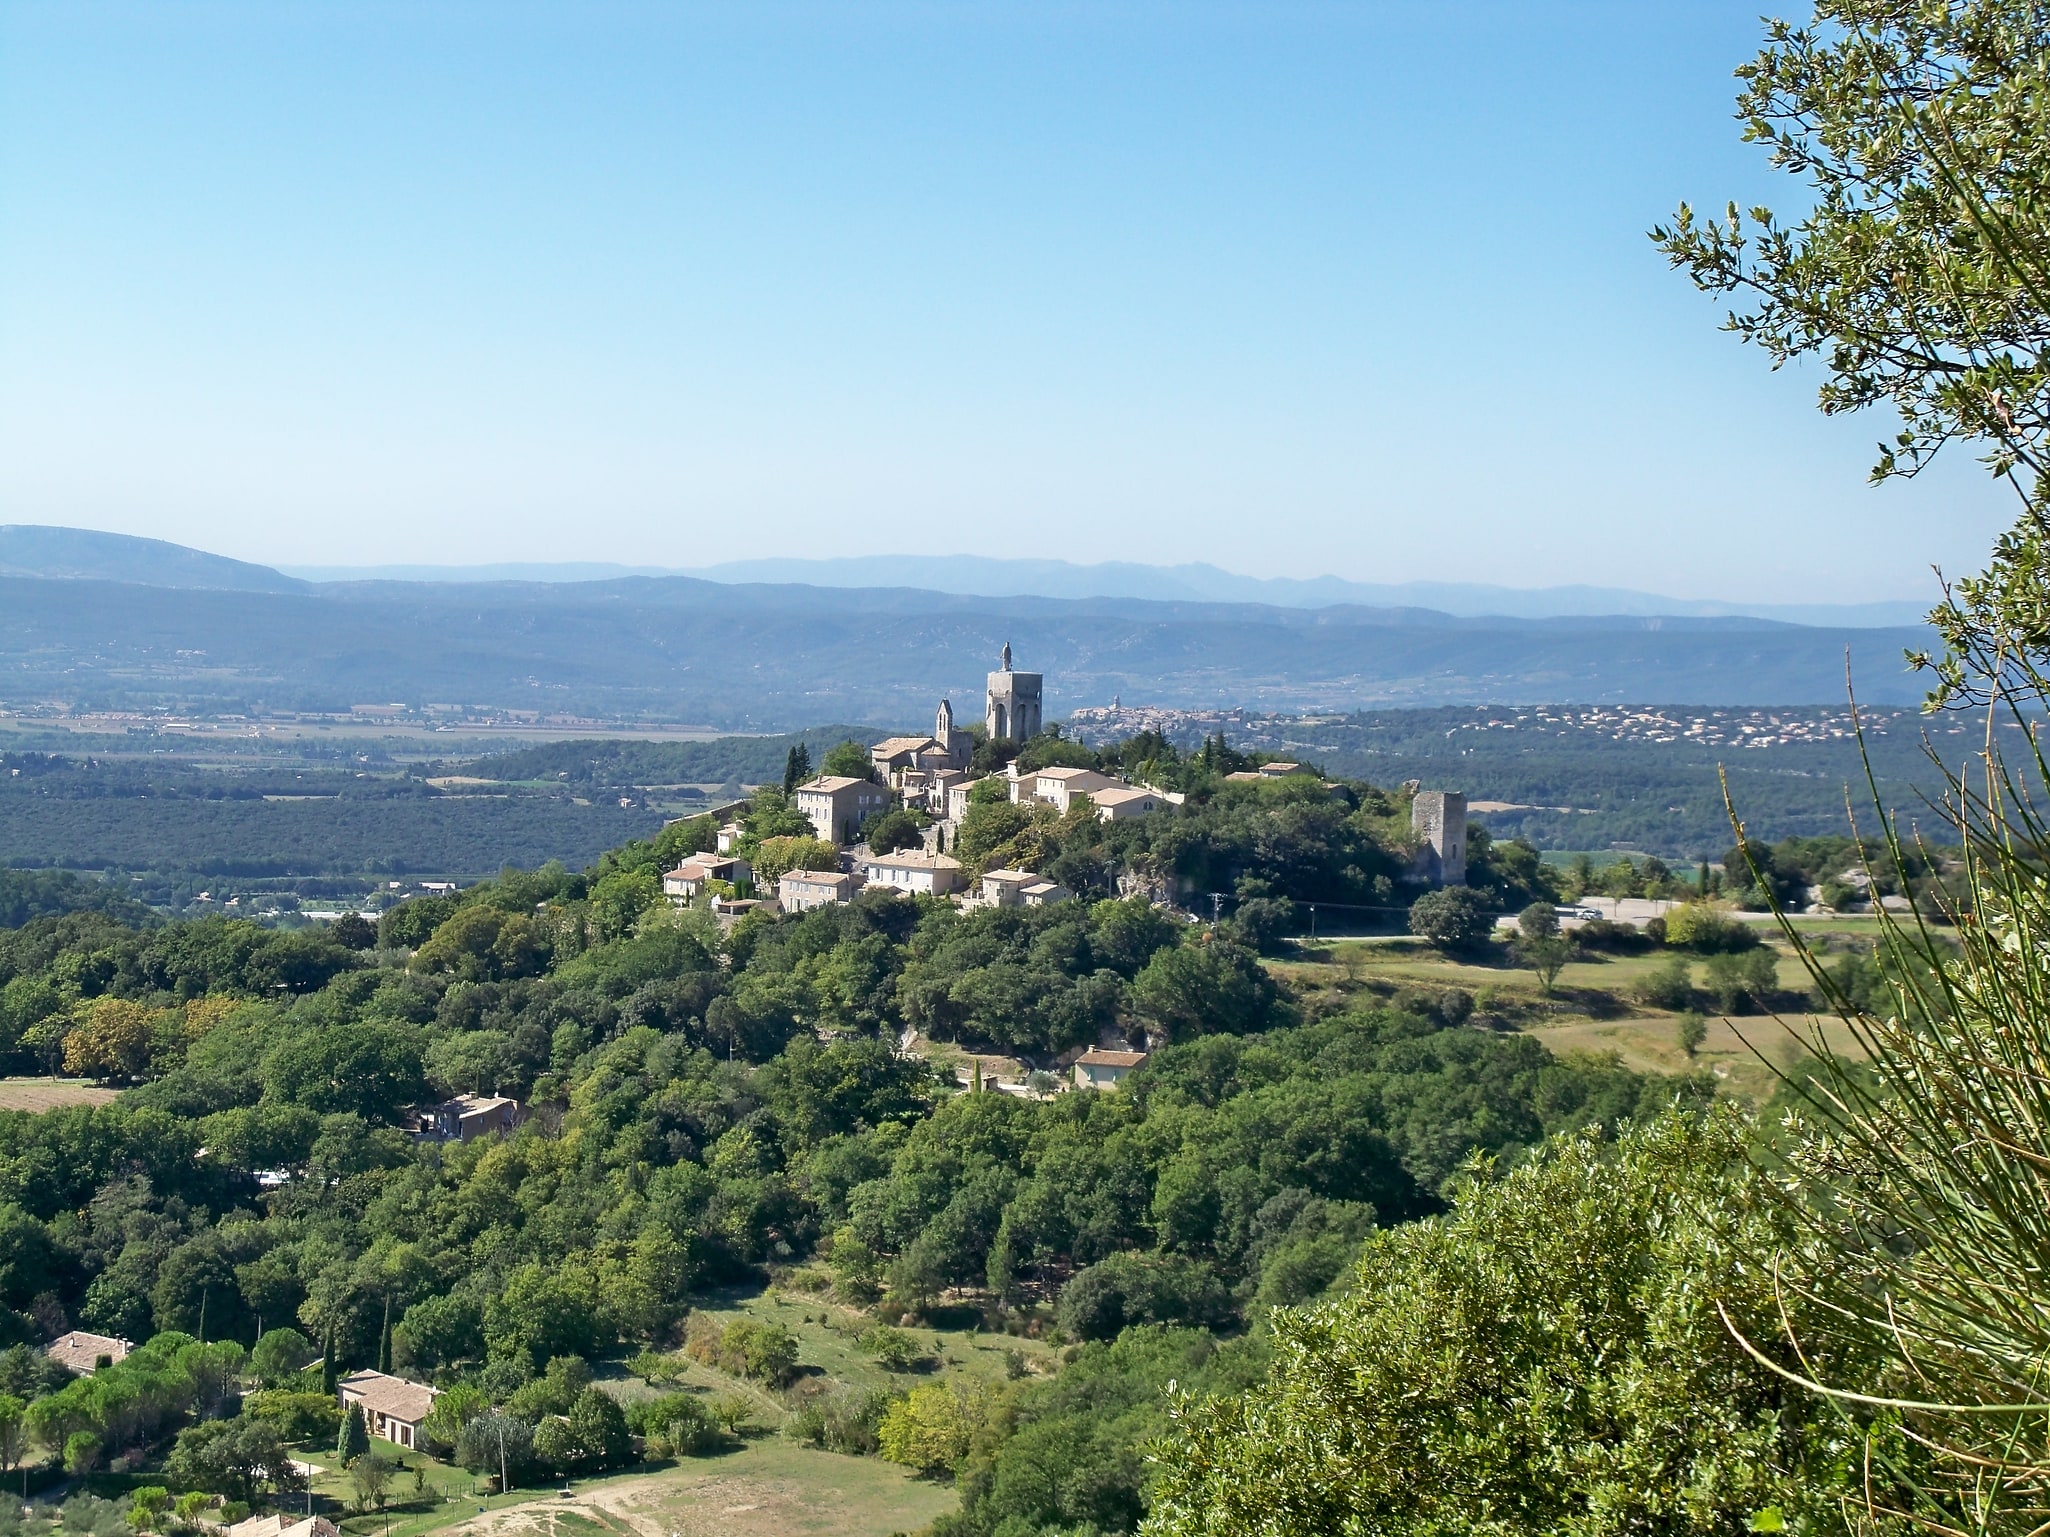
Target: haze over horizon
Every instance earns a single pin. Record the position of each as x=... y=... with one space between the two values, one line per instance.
x=1269 y=287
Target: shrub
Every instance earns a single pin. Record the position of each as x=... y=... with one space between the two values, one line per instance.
x=933 y=1427
x=1142 y=1288
x=1706 y=931
x=744 y=1348
x=1669 y=985
x=1744 y=982
x=1456 y=918
x=845 y=1421
x=894 y=1349
x=675 y=1425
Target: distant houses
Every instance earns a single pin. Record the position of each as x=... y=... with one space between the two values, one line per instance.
x=915 y=872
x=934 y=775
x=691 y=878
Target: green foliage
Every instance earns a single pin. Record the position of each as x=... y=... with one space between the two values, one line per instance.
x=1126 y=1289
x=1454 y=918
x=893 y=830
x=279 y=1356
x=1551 y=1348
x=1742 y=982
x=846 y=760
x=1668 y=985
x=354 y=1438
x=932 y=1428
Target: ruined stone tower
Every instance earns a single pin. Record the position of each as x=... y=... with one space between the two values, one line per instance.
x=1438 y=817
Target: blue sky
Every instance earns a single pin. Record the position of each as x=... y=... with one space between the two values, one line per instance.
x=1292 y=288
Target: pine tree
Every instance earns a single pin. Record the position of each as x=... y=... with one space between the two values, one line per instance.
x=355 y=1439
x=796 y=767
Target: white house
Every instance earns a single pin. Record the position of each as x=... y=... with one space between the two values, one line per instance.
x=1020 y=888
x=1056 y=787
x=688 y=879
x=1097 y=1068
x=801 y=890
x=838 y=805
x=1125 y=802
x=914 y=871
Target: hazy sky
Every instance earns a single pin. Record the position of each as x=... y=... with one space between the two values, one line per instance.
x=1292 y=288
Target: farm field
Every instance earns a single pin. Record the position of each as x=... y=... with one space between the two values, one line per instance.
x=1592 y=1008
x=38 y=1094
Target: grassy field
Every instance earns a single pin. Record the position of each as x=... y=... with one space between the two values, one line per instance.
x=762 y=1486
x=37 y=1094
x=1592 y=1007
x=766 y=1484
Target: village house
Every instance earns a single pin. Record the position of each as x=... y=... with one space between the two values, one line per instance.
x=87 y=1353
x=467 y=1117
x=688 y=879
x=1020 y=888
x=801 y=890
x=1057 y=787
x=1125 y=802
x=393 y=1408
x=837 y=806
x=729 y=837
x=1098 y=1068
x=914 y=871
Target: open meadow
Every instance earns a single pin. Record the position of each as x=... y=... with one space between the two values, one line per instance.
x=1592 y=1005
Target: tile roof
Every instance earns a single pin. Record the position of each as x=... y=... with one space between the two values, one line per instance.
x=81 y=1351
x=1096 y=1056
x=393 y=1397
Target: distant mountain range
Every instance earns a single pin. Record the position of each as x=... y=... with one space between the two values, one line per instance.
x=985 y=576
x=101 y=621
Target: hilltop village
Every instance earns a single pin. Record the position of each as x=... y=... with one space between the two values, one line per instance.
x=897 y=820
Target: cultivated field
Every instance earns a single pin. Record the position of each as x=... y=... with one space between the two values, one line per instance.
x=36 y=1094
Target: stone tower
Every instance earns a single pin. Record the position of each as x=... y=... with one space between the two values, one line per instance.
x=1438 y=817
x=954 y=744
x=1013 y=702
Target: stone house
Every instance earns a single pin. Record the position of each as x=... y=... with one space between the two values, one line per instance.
x=915 y=871
x=86 y=1353
x=393 y=1408
x=837 y=805
x=688 y=879
x=1020 y=888
x=801 y=890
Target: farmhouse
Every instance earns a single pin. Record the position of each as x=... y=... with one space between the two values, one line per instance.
x=467 y=1117
x=1101 y=1069
x=393 y=1408
x=87 y=1353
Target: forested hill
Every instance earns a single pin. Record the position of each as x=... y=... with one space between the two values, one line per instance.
x=753 y=658
x=619 y=761
x=710 y=1112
